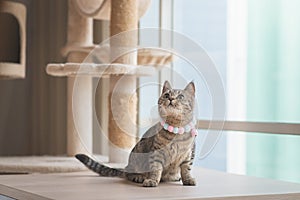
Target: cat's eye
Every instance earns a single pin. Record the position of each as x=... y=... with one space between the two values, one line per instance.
x=167 y=95
x=180 y=96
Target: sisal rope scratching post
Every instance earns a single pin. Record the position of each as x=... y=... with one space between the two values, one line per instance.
x=80 y=33
x=123 y=98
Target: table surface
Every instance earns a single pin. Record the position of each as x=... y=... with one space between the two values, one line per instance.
x=87 y=185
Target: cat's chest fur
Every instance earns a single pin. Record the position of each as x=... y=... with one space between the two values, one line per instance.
x=179 y=148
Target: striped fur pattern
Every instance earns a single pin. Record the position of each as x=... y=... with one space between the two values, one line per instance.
x=102 y=170
x=160 y=155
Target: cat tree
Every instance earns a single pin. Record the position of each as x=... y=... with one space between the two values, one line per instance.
x=14 y=69
x=123 y=73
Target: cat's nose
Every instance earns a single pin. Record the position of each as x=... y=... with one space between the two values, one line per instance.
x=172 y=101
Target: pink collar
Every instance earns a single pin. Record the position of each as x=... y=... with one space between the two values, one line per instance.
x=180 y=130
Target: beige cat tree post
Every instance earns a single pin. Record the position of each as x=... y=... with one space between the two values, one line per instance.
x=124 y=15
x=122 y=132
x=10 y=70
x=78 y=37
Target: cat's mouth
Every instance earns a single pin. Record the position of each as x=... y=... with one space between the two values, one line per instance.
x=172 y=107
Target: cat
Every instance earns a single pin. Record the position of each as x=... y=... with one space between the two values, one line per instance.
x=166 y=151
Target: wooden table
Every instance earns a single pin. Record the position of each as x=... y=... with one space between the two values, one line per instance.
x=87 y=185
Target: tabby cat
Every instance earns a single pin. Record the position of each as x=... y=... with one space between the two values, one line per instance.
x=166 y=150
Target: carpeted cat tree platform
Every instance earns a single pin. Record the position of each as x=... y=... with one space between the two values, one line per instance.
x=45 y=164
x=39 y=164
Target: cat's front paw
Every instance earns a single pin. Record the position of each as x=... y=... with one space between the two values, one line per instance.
x=189 y=182
x=150 y=183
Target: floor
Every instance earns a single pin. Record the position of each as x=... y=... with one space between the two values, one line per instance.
x=89 y=186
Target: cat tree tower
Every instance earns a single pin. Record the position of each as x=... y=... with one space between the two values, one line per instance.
x=122 y=71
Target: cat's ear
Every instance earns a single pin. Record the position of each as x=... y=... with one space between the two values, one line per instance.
x=190 y=88
x=167 y=86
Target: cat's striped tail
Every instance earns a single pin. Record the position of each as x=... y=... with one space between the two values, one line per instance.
x=100 y=169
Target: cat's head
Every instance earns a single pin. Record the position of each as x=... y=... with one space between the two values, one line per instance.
x=177 y=106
